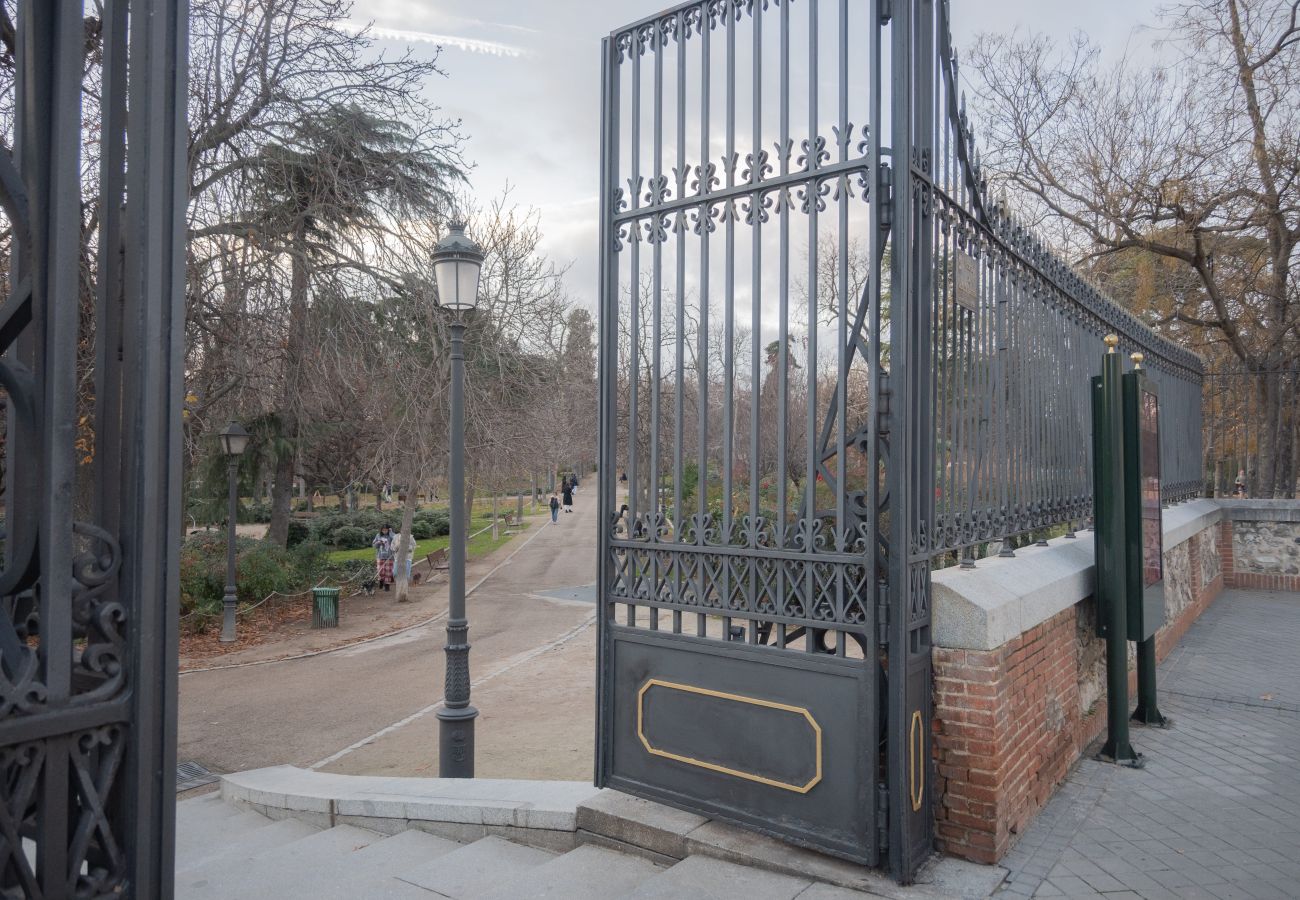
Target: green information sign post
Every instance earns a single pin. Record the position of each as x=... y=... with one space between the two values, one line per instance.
x=1144 y=533
x=1110 y=515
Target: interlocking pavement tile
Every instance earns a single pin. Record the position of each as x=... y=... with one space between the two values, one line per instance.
x=1071 y=884
x=1216 y=811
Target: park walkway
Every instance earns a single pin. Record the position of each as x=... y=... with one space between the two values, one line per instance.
x=1215 y=813
x=370 y=708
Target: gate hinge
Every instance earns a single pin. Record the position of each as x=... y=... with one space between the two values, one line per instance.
x=882 y=817
x=886 y=11
x=882 y=409
x=882 y=616
x=885 y=195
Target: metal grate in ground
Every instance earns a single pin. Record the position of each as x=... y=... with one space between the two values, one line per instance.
x=191 y=775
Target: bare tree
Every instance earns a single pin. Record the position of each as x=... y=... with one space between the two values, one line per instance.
x=1193 y=162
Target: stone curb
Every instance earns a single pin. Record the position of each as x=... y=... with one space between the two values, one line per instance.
x=538 y=813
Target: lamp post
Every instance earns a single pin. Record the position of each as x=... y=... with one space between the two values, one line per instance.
x=457 y=261
x=234 y=439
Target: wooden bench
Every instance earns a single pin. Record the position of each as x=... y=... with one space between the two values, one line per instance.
x=438 y=560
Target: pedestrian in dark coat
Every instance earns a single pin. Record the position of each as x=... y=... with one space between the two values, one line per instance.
x=385 y=545
x=568 y=497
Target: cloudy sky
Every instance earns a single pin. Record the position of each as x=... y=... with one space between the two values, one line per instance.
x=524 y=78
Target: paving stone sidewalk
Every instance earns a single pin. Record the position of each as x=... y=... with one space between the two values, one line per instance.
x=1216 y=811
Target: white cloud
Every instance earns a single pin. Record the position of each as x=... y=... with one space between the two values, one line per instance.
x=469 y=45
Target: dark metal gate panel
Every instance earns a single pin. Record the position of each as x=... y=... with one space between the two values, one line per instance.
x=92 y=481
x=763 y=739
x=743 y=452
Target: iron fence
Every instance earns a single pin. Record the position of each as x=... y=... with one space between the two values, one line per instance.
x=1252 y=433
x=1016 y=334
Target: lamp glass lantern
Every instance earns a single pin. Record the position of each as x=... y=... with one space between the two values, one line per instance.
x=234 y=439
x=457 y=262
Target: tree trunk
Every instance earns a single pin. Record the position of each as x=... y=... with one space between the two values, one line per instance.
x=495 y=532
x=282 y=491
x=1277 y=437
x=404 y=546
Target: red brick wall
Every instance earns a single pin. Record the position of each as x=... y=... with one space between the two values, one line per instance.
x=1007 y=728
x=1009 y=723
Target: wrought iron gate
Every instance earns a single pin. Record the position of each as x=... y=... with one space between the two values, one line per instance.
x=764 y=648
x=91 y=483
x=827 y=359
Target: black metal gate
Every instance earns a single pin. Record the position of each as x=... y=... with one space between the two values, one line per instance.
x=92 y=468
x=764 y=648
x=827 y=360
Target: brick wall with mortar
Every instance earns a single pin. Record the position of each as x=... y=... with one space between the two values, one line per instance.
x=1010 y=722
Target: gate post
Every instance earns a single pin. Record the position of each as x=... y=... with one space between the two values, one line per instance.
x=910 y=470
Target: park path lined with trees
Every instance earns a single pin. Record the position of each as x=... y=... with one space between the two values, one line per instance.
x=539 y=723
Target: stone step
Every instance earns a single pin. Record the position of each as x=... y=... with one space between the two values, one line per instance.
x=200 y=837
x=587 y=873
x=703 y=878
x=205 y=808
x=475 y=868
x=371 y=872
x=279 y=872
x=233 y=848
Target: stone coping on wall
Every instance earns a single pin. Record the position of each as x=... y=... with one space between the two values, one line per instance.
x=1001 y=598
x=1260 y=510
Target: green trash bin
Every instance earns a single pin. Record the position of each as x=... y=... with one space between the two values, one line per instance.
x=325 y=607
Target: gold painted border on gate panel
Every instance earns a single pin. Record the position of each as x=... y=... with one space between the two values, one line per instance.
x=725 y=770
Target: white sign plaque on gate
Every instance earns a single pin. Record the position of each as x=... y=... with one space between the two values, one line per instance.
x=966 y=281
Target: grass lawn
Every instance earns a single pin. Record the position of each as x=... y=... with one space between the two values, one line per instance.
x=478 y=546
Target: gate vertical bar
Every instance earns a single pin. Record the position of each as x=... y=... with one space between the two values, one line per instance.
x=153 y=234
x=49 y=125
x=607 y=364
x=911 y=470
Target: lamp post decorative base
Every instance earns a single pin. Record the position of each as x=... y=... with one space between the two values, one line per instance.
x=228 y=604
x=456 y=742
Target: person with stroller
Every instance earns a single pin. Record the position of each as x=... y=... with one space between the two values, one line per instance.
x=385 y=545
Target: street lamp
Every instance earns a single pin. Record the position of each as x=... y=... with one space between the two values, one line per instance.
x=457 y=261
x=234 y=439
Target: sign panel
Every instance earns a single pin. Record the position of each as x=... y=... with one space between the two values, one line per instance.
x=1152 y=524
x=966 y=281
x=1143 y=521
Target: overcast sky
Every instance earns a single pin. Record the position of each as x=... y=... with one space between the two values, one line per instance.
x=524 y=77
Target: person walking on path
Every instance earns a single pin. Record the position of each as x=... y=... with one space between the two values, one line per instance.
x=568 y=497
x=385 y=548
x=555 y=508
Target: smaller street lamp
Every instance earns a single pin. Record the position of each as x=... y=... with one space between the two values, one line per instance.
x=234 y=440
x=457 y=262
